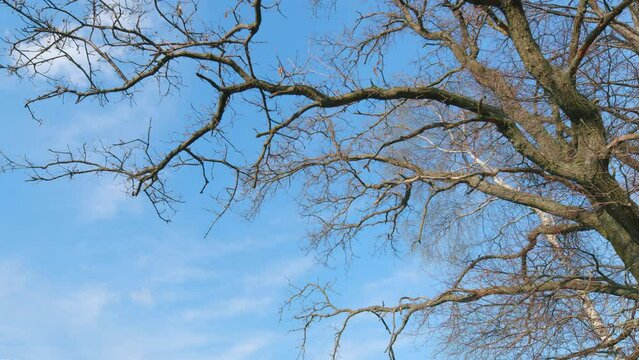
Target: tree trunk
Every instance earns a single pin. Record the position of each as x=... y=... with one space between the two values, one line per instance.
x=618 y=221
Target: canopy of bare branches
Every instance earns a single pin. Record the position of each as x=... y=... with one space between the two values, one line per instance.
x=508 y=147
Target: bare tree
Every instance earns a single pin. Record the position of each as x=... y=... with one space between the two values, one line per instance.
x=515 y=122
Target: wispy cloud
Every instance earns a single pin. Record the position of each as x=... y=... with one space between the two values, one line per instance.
x=246 y=349
x=105 y=199
x=85 y=306
x=279 y=273
x=229 y=308
x=13 y=277
x=143 y=297
x=52 y=320
x=409 y=278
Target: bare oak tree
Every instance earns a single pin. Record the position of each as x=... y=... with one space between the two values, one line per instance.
x=509 y=147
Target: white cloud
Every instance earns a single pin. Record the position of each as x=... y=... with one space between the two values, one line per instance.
x=51 y=57
x=69 y=60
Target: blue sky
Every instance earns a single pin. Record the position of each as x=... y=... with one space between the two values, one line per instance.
x=87 y=272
